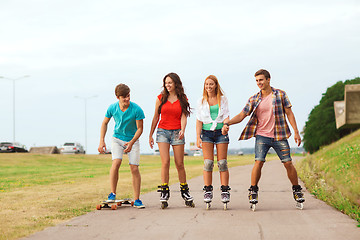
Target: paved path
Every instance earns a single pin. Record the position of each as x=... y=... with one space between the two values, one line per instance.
x=275 y=218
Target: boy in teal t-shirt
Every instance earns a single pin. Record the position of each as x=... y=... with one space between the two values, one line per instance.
x=128 y=118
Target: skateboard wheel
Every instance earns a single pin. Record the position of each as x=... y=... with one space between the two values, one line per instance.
x=113 y=207
x=225 y=206
x=119 y=204
x=98 y=207
x=132 y=203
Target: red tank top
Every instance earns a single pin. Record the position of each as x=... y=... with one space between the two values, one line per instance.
x=170 y=118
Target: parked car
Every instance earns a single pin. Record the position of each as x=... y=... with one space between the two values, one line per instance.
x=12 y=147
x=72 y=148
x=240 y=153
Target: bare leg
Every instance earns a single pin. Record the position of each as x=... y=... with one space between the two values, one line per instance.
x=114 y=174
x=179 y=162
x=221 y=150
x=136 y=180
x=208 y=152
x=256 y=172
x=165 y=161
x=291 y=172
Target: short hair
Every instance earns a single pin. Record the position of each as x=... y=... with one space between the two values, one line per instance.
x=263 y=72
x=122 y=90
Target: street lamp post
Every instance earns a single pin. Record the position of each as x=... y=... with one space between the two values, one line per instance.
x=13 y=80
x=85 y=103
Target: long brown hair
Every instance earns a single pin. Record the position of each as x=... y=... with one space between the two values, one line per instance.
x=218 y=90
x=179 y=90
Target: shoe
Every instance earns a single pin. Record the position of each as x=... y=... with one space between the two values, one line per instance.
x=298 y=195
x=164 y=191
x=208 y=194
x=111 y=197
x=253 y=194
x=225 y=195
x=185 y=194
x=138 y=204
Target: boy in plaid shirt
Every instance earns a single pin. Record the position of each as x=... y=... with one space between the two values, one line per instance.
x=268 y=125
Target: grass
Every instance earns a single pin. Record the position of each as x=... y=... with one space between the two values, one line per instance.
x=333 y=174
x=38 y=191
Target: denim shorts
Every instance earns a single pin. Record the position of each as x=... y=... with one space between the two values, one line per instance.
x=169 y=136
x=263 y=144
x=215 y=136
x=117 y=151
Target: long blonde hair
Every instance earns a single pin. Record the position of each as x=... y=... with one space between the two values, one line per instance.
x=218 y=90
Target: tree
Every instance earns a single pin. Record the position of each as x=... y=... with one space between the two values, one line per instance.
x=320 y=129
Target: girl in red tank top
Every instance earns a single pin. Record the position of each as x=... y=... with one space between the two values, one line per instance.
x=172 y=109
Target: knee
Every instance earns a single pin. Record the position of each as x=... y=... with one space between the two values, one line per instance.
x=116 y=163
x=223 y=166
x=179 y=165
x=208 y=165
x=259 y=164
x=288 y=165
x=134 y=169
x=165 y=164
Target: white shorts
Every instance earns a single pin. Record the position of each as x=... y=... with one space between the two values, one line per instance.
x=117 y=151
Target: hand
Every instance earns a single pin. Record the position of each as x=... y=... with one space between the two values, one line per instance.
x=297 y=138
x=102 y=147
x=181 y=134
x=225 y=129
x=128 y=146
x=151 y=142
x=199 y=143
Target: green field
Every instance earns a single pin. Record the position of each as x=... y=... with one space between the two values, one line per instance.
x=38 y=191
x=333 y=174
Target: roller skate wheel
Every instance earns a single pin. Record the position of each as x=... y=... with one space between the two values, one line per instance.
x=253 y=207
x=190 y=203
x=164 y=205
x=300 y=206
x=208 y=205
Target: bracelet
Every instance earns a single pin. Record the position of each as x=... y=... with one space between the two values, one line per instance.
x=227 y=124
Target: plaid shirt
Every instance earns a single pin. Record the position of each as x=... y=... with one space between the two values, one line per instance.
x=280 y=102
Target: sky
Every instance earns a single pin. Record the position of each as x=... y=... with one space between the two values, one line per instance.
x=76 y=50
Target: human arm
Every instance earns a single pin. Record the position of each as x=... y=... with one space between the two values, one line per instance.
x=291 y=117
x=183 y=126
x=139 y=125
x=199 y=125
x=154 y=123
x=235 y=120
x=103 y=129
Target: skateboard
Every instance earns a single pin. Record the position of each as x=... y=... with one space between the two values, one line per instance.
x=114 y=204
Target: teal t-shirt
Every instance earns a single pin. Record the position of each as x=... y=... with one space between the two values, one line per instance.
x=214 y=112
x=125 y=122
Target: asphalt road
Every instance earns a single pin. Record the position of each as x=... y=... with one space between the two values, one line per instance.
x=275 y=217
